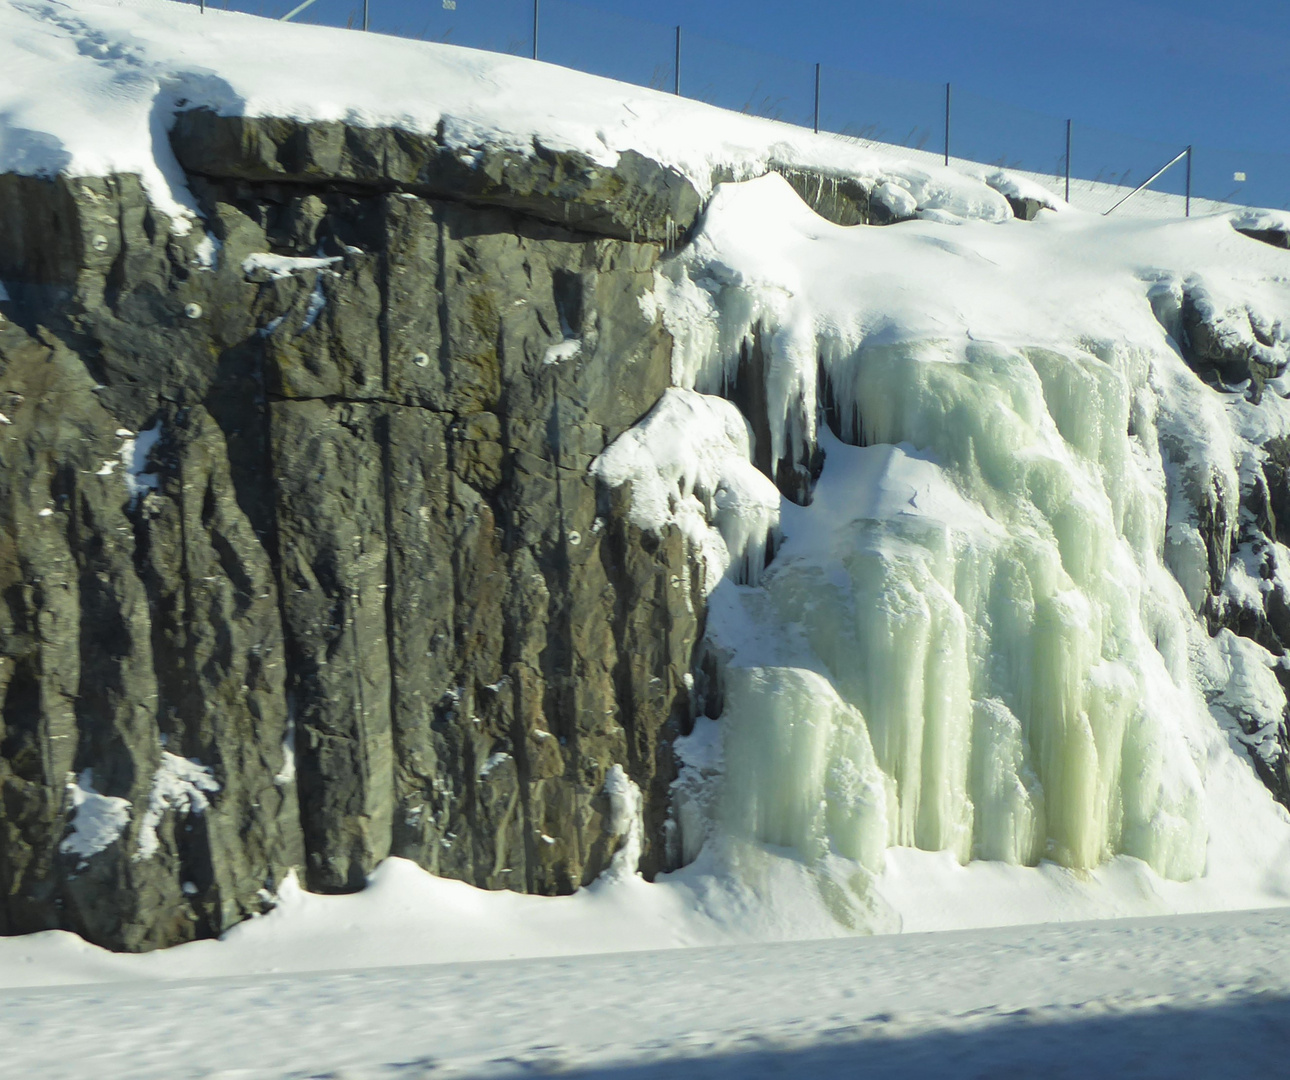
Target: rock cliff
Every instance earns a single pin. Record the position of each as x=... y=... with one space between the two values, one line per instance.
x=301 y=562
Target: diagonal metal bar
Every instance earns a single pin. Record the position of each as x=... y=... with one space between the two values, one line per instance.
x=296 y=11
x=1154 y=176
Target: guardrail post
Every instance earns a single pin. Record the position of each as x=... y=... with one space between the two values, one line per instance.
x=947 y=123
x=676 y=89
x=817 y=99
x=1068 y=161
x=535 y=28
x=1187 y=205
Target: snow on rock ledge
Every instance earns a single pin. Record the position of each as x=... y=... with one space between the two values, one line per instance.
x=97 y=820
x=688 y=465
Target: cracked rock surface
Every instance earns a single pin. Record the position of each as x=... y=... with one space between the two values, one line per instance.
x=300 y=561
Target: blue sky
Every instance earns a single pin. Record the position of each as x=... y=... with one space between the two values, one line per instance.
x=1216 y=74
x=1213 y=72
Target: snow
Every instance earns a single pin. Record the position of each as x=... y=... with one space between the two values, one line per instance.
x=494 y=760
x=625 y=822
x=688 y=465
x=178 y=785
x=277 y=267
x=135 y=451
x=1197 y=995
x=317 y=301
x=564 y=350
x=287 y=774
x=1249 y=692
x=97 y=820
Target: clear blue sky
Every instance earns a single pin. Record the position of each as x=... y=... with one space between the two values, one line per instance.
x=1211 y=72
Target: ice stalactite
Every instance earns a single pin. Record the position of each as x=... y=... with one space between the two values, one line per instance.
x=986 y=635
x=803 y=772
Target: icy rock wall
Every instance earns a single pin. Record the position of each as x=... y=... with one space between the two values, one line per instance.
x=971 y=640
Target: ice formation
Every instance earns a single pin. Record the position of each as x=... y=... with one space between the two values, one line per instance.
x=625 y=810
x=981 y=635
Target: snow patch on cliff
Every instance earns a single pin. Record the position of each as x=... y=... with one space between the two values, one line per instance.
x=97 y=820
x=179 y=785
x=688 y=466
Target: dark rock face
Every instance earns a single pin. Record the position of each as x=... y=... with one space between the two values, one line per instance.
x=1276 y=237
x=1025 y=209
x=636 y=199
x=1260 y=544
x=301 y=563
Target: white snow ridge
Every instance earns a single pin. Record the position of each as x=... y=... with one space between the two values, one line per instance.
x=688 y=464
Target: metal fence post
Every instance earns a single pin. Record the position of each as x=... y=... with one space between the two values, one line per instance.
x=817 y=99
x=535 y=28
x=1187 y=205
x=1068 y=161
x=947 y=123
x=676 y=89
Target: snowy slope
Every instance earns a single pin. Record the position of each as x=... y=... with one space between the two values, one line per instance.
x=933 y=294
x=1188 y=996
x=124 y=66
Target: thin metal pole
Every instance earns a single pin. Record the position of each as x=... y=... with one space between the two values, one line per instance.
x=677 y=87
x=1184 y=154
x=365 y=14
x=290 y=14
x=1187 y=211
x=1068 y=161
x=535 y=28
x=203 y=7
x=947 y=123
x=817 y=99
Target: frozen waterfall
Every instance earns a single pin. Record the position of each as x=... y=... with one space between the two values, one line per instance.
x=974 y=639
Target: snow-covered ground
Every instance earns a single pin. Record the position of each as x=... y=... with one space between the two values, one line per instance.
x=1016 y=382
x=1189 y=996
